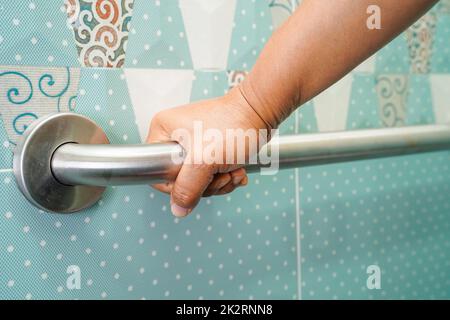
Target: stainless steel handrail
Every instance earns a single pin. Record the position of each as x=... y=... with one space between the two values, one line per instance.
x=107 y=165
x=64 y=161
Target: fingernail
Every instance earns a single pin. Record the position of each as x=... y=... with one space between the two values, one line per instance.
x=237 y=180
x=179 y=211
x=244 y=181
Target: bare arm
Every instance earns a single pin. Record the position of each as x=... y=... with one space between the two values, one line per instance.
x=321 y=42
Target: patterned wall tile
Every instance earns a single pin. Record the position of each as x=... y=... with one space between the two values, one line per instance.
x=6 y=148
x=392 y=90
x=100 y=30
x=420 y=43
x=27 y=93
x=235 y=77
x=158 y=37
x=35 y=33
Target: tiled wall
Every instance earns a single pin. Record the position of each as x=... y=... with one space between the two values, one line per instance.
x=304 y=233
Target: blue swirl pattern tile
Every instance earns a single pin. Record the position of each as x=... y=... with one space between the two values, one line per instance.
x=27 y=93
x=392 y=91
x=421 y=38
x=6 y=148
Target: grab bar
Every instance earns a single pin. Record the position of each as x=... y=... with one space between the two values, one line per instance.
x=64 y=161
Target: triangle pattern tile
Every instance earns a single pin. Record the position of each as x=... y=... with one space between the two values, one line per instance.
x=158 y=37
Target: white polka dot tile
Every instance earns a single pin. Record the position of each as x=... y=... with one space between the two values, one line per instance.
x=440 y=62
x=158 y=37
x=103 y=97
x=392 y=213
x=251 y=29
x=34 y=32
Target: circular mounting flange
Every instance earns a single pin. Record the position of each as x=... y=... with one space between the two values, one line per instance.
x=32 y=162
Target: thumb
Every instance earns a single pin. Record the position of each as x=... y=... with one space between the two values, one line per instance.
x=191 y=182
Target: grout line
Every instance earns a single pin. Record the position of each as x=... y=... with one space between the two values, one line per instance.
x=6 y=170
x=297 y=219
x=297 y=199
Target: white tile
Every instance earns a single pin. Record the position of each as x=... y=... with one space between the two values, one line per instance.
x=153 y=90
x=209 y=25
x=331 y=106
x=440 y=92
x=367 y=66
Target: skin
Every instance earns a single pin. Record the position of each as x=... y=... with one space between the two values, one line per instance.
x=312 y=50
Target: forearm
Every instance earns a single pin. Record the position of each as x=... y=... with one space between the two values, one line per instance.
x=320 y=43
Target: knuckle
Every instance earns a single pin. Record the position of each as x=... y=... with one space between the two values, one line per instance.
x=155 y=121
x=204 y=167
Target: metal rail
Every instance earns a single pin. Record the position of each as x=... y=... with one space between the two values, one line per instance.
x=64 y=161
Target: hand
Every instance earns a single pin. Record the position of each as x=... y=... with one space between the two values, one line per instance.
x=204 y=178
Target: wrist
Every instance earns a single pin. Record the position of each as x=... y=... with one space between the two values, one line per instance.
x=245 y=107
x=267 y=107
